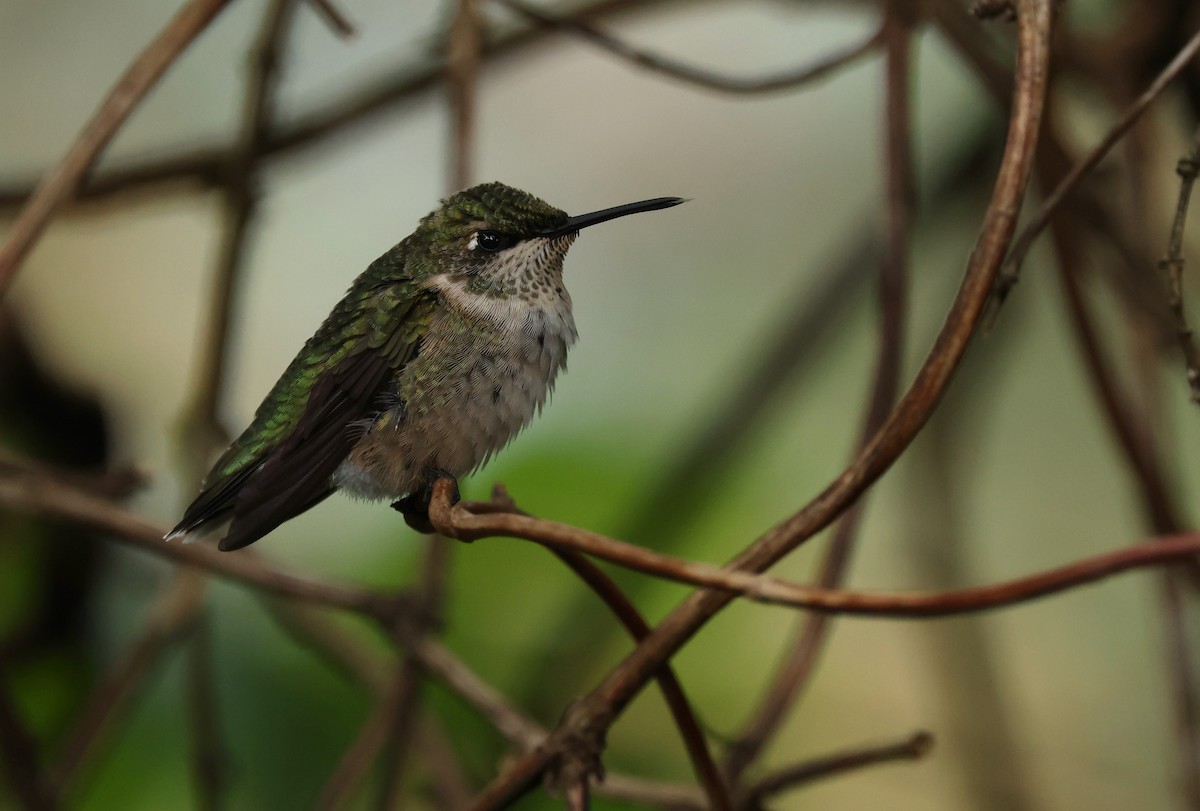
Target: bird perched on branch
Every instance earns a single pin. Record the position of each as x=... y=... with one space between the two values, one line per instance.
x=437 y=356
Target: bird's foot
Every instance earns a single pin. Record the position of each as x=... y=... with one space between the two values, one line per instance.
x=415 y=506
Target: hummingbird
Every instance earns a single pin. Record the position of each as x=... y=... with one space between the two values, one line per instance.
x=438 y=355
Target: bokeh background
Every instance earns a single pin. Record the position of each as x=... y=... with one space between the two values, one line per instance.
x=1061 y=703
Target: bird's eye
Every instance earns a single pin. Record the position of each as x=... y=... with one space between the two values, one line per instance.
x=492 y=241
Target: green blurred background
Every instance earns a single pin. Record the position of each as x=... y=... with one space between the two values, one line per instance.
x=1062 y=703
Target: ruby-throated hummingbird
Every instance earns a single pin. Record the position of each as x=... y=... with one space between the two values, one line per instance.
x=437 y=356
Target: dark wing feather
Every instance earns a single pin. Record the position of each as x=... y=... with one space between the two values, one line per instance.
x=296 y=474
x=288 y=476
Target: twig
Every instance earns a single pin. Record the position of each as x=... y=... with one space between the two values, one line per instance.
x=61 y=183
x=611 y=696
x=356 y=762
x=451 y=788
x=172 y=615
x=629 y=617
x=663 y=511
x=427 y=613
x=684 y=798
x=960 y=663
x=464 y=49
x=53 y=500
x=915 y=747
x=1172 y=265
x=209 y=758
x=681 y=710
x=690 y=74
x=1011 y=270
x=204 y=168
x=520 y=731
x=577 y=796
x=1161 y=513
x=315 y=630
x=19 y=756
x=202 y=426
x=1181 y=673
x=461 y=522
x=652 y=793
x=794 y=673
x=333 y=16
x=46 y=497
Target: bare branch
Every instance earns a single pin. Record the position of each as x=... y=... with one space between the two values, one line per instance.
x=900 y=191
x=611 y=696
x=47 y=497
x=464 y=50
x=19 y=757
x=1012 y=266
x=1172 y=265
x=1135 y=440
x=62 y=182
x=172 y=615
x=209 y=759
x=355 y=764
x=915 y=747
x=689 y=74
x=334 y=18
x=681 y=710
x=463 y=522
x=204 y=167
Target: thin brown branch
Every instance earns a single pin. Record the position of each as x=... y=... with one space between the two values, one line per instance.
x=915 y=747
x=1011 y=270
x=172 y=615
x=681 y=710
x=209 y=760
x=577 y=796
x=598 y=708
x=19 y=761
x=427 y=613
x=663 y=512
x=1172 y=266
x=63 y=181
x=204 y=168
x=690 y=74
x=240 y=195
x=1135 y=440
x=328 y=11
x=520 y=731
x=652 y=793
x=1182 y=678
x=314 y=629
x=356 y=763
x=49 y=498
x=961 y=665
x=450 y=787
x=464 y=49
x=460 y=521
x=795 y=671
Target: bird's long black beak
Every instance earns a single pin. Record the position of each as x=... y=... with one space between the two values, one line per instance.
x=574 y=224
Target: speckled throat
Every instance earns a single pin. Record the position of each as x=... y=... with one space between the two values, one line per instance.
x=486 y=367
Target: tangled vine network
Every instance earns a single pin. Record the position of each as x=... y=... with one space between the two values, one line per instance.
x=1018 y=50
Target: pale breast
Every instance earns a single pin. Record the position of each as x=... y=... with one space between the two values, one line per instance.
x=485 y=368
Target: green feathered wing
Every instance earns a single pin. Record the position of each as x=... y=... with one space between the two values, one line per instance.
x=283 y=463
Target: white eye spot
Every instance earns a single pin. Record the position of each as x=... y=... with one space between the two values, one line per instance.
x=474 y=242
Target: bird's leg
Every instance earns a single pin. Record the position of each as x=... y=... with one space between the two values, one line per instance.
x=415 y=506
